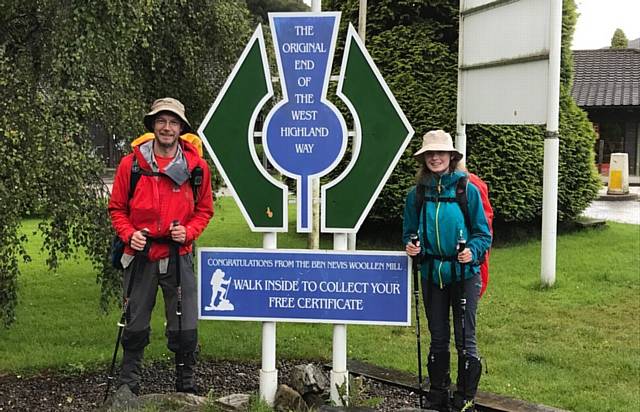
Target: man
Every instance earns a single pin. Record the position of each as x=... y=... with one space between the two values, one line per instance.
x=159 y=221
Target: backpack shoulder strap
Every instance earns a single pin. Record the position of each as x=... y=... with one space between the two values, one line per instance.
x=461 y=199
x=136 y=172
x=420 y=190
x=195 y=179
x=134 y=177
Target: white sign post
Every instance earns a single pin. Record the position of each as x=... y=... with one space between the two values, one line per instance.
x=509 y=73
x=339 y=374
x=268 y=371
x=551 y=152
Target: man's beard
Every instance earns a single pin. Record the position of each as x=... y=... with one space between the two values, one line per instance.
x=167 y=145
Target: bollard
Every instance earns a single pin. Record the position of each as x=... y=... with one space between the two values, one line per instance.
x=618 y=174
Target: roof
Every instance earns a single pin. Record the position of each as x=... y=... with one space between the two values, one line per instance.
x=607 y=77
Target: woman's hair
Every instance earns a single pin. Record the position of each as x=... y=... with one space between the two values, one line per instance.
x=424 y=172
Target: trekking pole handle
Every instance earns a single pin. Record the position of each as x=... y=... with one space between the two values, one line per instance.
x=462 y=244
x=414 y=239
x=145 y=233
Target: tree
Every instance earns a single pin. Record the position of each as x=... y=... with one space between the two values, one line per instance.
x=260 y=8
x=414 y=43
x=619 y=40
x=67 y=66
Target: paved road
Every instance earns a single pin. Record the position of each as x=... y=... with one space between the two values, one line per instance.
x=623 y=211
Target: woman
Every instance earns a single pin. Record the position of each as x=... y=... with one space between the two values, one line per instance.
x=450 y=276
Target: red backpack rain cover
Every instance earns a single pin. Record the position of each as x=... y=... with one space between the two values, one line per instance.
x=488 y=212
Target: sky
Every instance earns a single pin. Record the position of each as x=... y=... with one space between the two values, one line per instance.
x=599 y=19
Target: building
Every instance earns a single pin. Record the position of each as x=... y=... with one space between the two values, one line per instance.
x=607 y=86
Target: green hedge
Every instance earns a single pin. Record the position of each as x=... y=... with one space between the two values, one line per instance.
x=414 y=44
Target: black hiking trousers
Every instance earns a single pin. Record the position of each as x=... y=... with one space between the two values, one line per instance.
x=437 y=310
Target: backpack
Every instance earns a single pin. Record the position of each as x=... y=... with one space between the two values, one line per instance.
x=117 y=245
x=187 y=137
x=463 y=203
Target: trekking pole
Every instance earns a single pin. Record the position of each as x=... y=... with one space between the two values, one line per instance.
x=123 y=319
x=179 y=360
x=462 y=244
x=414 y=262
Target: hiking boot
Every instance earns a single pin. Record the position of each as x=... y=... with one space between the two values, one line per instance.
x=438 y=368
x=185 y=371
x=130 y=370
x=469 y=371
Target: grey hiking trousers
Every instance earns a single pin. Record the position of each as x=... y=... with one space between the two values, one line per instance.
x=143 y=299
x=437 y=310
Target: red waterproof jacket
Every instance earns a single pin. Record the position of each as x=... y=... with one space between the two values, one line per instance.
x=158 y=201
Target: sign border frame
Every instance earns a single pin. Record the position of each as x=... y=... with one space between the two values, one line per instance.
x=305 y=251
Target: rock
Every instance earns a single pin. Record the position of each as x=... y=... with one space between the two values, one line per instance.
x=119 y=400
x=193 y=408
x=234 y=402
x=327 y=408
x=315 y=400
x=173 y=398
x=416 y=410
x=288 y=399
x=125 y=400
x=309 y=379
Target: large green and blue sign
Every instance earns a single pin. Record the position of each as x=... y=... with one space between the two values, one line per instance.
x=304 y=136
x=301 y=286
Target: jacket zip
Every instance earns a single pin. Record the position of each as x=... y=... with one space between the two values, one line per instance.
x=439 y=189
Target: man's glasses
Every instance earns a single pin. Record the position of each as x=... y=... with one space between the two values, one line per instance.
x=163 y=122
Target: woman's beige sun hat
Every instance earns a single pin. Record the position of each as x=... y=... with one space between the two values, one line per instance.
x=438 y=141
x=166 y=104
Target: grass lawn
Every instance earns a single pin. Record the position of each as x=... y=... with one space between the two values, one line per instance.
x=575 y=346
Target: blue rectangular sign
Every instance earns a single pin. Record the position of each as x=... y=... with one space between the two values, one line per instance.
x=369 y=287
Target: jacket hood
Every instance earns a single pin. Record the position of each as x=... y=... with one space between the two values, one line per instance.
x=189 y=151
x=447 y=179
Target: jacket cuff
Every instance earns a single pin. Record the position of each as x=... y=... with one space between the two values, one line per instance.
x=128 y=236
x=189 y=235
x=474 y=256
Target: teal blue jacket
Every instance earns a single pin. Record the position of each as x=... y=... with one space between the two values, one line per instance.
x=444 y=225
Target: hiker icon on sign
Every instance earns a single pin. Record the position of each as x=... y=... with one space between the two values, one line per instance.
x=219 y=292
